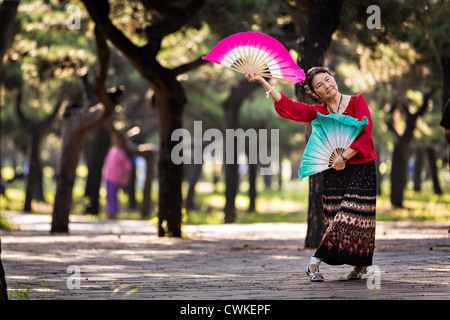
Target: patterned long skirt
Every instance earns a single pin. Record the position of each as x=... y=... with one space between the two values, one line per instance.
x=349 y=199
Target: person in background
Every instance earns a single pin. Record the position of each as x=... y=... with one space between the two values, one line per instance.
x=116 y=174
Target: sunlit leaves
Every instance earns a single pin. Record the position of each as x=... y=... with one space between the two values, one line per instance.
x=183 y=46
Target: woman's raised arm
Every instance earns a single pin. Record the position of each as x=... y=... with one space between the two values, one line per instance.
x=270 y=90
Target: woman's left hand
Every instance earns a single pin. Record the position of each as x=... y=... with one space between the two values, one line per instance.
x=338 y=164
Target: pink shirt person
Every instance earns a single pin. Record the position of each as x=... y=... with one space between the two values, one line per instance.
x=116 y=166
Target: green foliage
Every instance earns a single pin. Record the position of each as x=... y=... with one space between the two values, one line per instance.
x=419 y=206
x=4 y=224
x=290 y=204
x=399 y=60
x=47 y=291
x=183 y=46
x=46 y=60
x=226 y=17
x=23 y=292
x=115 y=290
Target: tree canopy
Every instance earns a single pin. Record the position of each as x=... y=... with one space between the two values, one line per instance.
x=402 y=68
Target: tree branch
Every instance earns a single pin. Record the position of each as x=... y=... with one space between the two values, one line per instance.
x=426 y=99
x=43 y=125
x=143 y=58
x=23 y=121
x=95 y=114
x=46 y=123
x=108 y=98
x=8 y=11
x=390 y=120
x=99 y=11
x=189 y=66
x=140 y=57
x=103 y=55
x=173 y=22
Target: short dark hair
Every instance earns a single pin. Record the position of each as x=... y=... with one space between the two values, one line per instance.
x=312 y=73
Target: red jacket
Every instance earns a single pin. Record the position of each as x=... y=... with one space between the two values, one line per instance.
x=357 y=108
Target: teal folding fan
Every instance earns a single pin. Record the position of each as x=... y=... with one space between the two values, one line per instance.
x=331 y=136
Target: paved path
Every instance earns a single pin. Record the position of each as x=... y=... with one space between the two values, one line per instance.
x=127 y=260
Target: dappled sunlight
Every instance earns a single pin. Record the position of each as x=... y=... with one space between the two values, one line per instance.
x=215 y=262
x=280 y=206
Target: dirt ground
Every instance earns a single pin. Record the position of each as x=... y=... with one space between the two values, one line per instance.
x=127 y=260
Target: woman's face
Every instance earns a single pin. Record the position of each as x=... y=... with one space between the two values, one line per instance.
x=324 y=85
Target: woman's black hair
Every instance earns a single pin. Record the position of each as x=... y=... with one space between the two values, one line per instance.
x=310 y=76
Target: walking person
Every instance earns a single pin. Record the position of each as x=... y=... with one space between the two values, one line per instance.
x=349 y=188
x=116 y=174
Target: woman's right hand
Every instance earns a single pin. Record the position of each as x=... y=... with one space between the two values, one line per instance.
x=274 y=94
x=252 y=77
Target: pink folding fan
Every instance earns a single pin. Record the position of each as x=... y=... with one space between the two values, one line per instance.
x=256 y=52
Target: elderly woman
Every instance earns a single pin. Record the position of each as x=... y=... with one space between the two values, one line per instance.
x=349 y=191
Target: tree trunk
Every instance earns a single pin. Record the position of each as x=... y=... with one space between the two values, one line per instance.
x=445 y=63
x=130 y=188
x=34 y=139
x=431 y=156
x=216 y=175
x=252 y=174
x=169 y=97
x=399 y=172
x=380 y=177
x=323 y=22
x=417 y=173
x=400 y=155
x=194 y=172
x=77 y=120
x=231 y=169
x=147 y=192
x=231 y=187
x=72 y=141
x=316 y=226
x=447 y=135
x=232 y=107
x=35 y=132
x=280 y=176
x=39 y=187
x=95 y=148
x=267 y=179
x=8 y=11
x=3 y=285
x=169 y=110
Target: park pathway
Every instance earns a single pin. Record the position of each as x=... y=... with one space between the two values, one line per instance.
x=127 y=260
